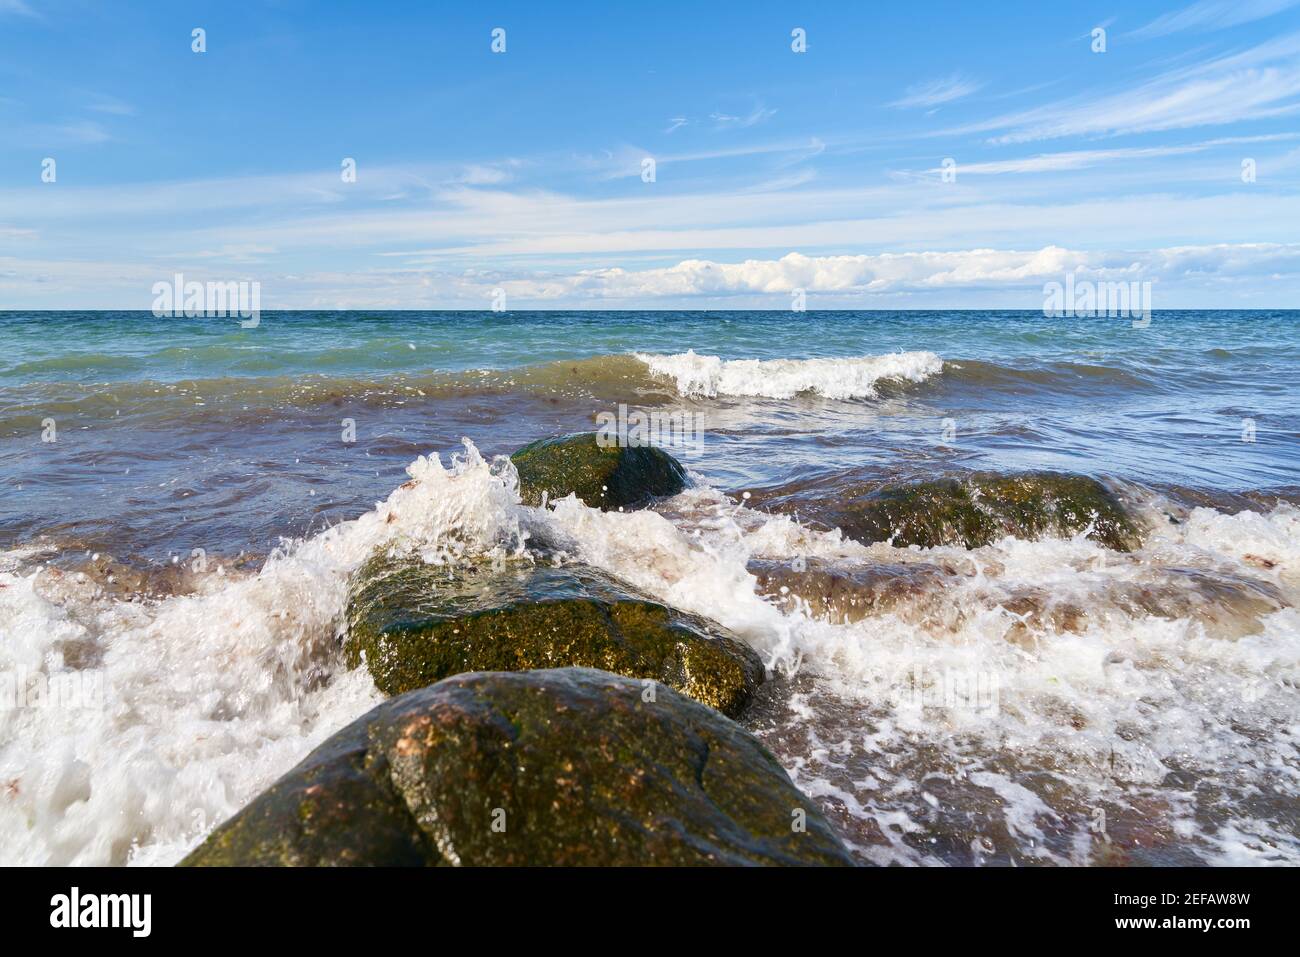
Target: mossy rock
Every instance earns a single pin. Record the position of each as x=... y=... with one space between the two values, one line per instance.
x=417 y=623
x=602 y=477
x=972 y=511
x=558 y=767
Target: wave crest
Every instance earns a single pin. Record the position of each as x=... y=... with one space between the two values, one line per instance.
x=847 y=378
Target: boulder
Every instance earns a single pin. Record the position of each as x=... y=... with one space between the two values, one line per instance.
x=971 y=510
x=850 y=591
x=603 y=477
x=415 y=624
x=557 y=767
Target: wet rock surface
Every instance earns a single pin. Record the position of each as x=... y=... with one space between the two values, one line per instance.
x=602 y=477
x=844 y=592
x=946 y=596
x=554 y=767
x=971 y=510
x=414 y=624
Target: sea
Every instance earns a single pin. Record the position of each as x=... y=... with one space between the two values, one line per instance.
x=185 y=500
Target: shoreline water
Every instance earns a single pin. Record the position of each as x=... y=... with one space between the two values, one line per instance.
x=191 y=538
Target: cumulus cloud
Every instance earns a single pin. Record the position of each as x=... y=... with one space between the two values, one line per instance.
x=914 y=271
x=1257 y=269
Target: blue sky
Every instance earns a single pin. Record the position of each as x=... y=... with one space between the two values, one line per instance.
x=774 y=170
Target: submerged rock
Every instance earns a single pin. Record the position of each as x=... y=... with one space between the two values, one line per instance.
x=845 y=592
x=947 y=597
x=1226 y=605
x=970 y=511
x=558 y=767
x=606 y=478
x=416 y=624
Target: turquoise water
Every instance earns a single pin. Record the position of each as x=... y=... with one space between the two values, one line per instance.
x=1188 y=349
x=234 y=431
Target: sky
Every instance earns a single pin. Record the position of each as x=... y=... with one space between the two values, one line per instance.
x=912 y=156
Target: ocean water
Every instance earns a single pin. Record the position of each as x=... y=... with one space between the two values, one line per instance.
x=185 y=499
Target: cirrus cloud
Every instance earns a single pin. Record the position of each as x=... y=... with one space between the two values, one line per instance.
x=935 y=92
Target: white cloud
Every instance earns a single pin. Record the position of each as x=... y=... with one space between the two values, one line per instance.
x=1257 y=83
x=913 y=271
x=483 y=175
x=788 y=181
x=18 y=8
x=1056 y=162
x=53 y=135
x=82 y=131
x=755 y=116
x=943 y=90
x=231 y=253
x=1211 y=15
x=1239 y=272
x=103 y=103
x=308 y=217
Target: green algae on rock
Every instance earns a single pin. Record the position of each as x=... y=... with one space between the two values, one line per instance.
x=602 y=477
x=972 y=510
x=337 y=808
x=415 y=624
x=567 y=766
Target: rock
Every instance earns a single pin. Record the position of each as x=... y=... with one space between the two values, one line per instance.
x=419 y=623
x=845 y=592
x=946 y=595
x=605 y=478
x=1227 y=606
x=972 y=511
x=558 y=767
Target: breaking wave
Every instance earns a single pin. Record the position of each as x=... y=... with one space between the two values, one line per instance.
x=855 y=378
x=967 y=715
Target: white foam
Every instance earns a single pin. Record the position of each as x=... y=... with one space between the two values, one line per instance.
x=213 y=695
x=1114 y=707
x=851 y=378
x=1270 y=540
x=210 y=696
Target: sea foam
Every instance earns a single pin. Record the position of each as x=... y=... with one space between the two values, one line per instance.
x=851 y=378
x=208 y=696
x=1157 y=720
